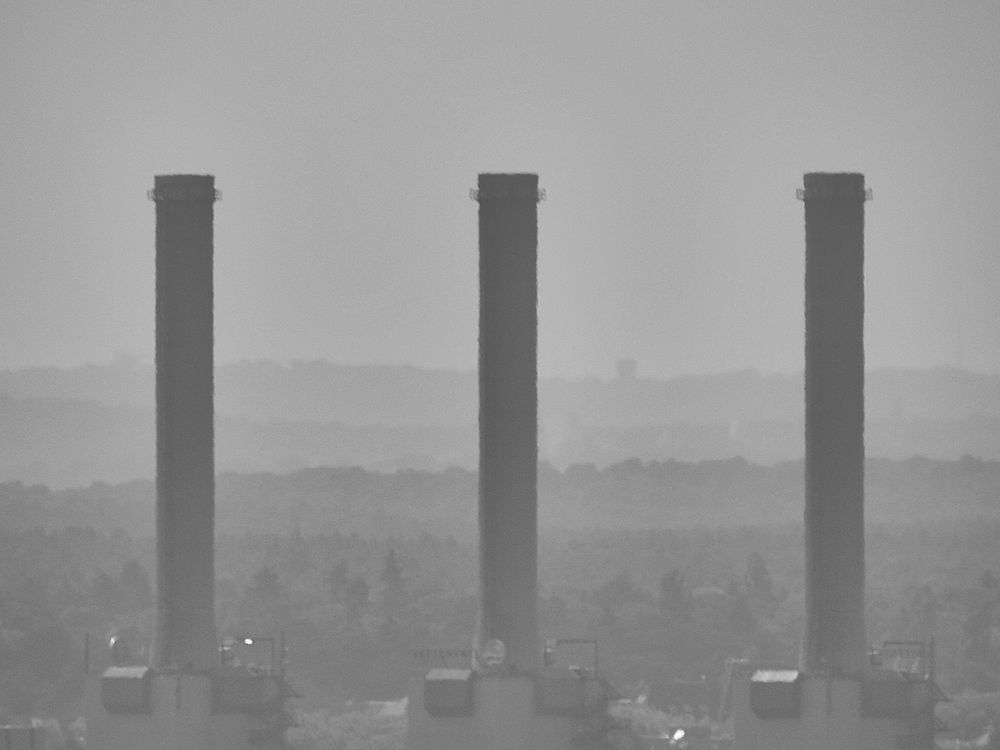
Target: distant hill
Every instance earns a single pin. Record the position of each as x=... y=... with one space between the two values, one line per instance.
x=402 y=395
x=260 y=390
x=64 y=427
x=63 y=443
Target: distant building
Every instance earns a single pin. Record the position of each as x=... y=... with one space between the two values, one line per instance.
x=626 y=368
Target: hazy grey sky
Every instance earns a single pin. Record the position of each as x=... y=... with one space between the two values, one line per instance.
x=345 y=136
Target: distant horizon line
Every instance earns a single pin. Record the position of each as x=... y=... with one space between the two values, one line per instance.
x=131 y=359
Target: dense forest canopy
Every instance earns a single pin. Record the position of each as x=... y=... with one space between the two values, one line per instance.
x=672 y=567
x=631 y=494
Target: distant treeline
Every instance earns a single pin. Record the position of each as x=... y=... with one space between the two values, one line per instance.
x=360 y=612
x=632 y=494
x=73 y=427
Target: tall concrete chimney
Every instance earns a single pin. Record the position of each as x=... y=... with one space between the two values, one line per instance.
x=835 y=639
x=508 y=416
x=185 y=636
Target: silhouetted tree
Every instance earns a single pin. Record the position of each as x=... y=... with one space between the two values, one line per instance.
x=740 y=619
x=759 y=584
x=989 y=581
x=357 y=596
x=47 y=652
x=134 y=584
x=393 y=586
x=614 y=594
x=265 y=586
x=337 y=583
x=104 y=592
x=927 y=607
x=675 y=601
x=976 y=630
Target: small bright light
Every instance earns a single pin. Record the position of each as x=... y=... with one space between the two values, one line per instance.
x=248 y=641
x=679 y=735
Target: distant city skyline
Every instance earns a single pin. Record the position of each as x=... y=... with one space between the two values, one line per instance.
x=670 y=139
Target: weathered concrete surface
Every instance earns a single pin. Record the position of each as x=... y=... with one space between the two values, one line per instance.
x=185 y=635
x=508 y=416
x=834 y=395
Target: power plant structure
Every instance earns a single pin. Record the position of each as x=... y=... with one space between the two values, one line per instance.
x=186 y=699
x=840 y=696
x=510 y=697
x=185 y=425
x=508 y=418
x=514 y=695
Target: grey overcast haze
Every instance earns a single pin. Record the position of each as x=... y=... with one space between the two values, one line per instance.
x=345 y=136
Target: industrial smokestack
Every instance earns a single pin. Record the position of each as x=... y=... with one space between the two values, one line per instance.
x=185 y=463
x=834 y=388
x=508 y=416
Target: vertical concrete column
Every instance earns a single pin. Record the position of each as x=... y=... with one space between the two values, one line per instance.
x=185 y=436
x=508 y=416
x=834 y=419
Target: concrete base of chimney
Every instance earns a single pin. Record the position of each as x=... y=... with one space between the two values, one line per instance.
x=223 y=710
x=834 y=712
x=503 y=713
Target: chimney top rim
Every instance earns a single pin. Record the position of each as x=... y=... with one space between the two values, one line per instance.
x=176 y=177
x=833 y=186
x=508 y=175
